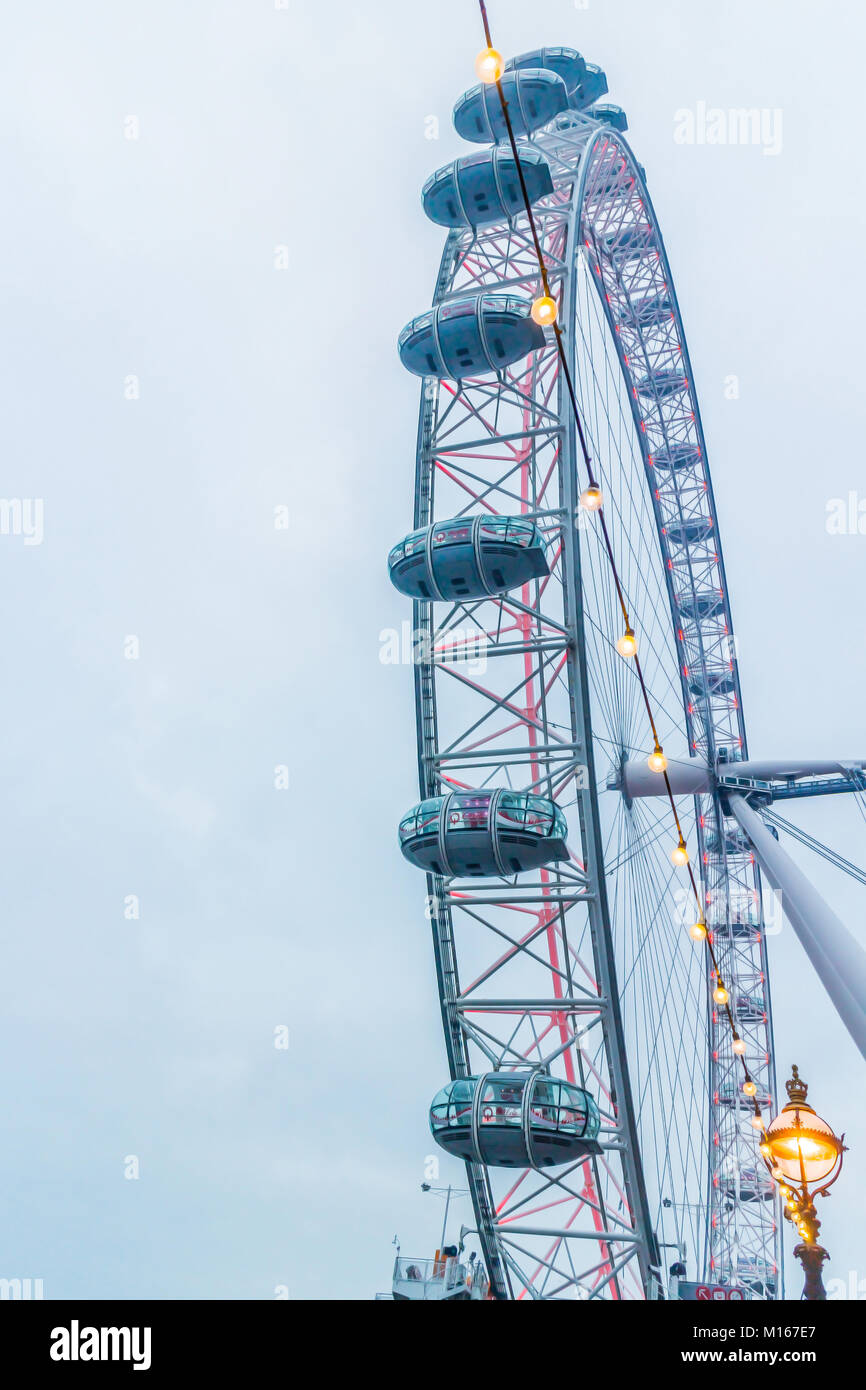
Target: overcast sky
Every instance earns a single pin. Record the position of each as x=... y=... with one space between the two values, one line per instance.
x=212 y=235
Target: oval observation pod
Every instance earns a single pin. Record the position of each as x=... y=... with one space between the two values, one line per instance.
x=731 y=1093
x=750 y=1008
x=468 y=557
x=714 y=683
x=631 y=243
x=601 y=182
x=677 y=458
x=732 y=842
x=756 y=1273
x=484 y=834
x=609 y=115
x=534 y=97
x=470 y=337
x=691 y=532
x=647 y=310
x=512 y=1119
x=565 y=62
x=664 y=383
x=748 y=1185
x=738 y=930
x=593 y=86
x=701 y=606
x=485 y=187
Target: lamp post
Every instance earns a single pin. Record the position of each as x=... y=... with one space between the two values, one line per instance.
x=446 y=1192
x=805 y=1157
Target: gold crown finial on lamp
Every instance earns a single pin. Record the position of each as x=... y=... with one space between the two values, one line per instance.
x=797 y=1089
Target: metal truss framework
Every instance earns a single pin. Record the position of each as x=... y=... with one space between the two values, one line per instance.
x=580 y=969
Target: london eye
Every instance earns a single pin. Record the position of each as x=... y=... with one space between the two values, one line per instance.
x=590 y=823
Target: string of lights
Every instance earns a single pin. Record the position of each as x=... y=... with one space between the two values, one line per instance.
x=489 y=68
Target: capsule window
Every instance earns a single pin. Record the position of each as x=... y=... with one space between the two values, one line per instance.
x=452 y=535
x=464 y=309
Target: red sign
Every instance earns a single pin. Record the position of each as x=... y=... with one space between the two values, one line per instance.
x=710 y=1293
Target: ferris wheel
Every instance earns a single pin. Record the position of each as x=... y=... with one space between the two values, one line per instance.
x=596 y=1024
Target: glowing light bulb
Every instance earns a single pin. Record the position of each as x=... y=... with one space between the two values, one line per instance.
x=657 y=762
x=543 y=310
x=757 y=1122
x=765 y=1148
x=489 y=66
x=698 y=932
x=680 y=855
x=777 y=1174
x=739 y=1047
x=591 y=498
x=627 y=644
x=720 y=994
x=749 y=1088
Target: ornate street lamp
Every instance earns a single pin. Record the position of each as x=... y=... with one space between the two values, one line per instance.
x=805 y=1157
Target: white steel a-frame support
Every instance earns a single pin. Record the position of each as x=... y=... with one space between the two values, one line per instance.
x=838 y=959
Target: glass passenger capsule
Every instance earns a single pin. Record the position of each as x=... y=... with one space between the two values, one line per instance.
x=750 y=1008
x=738 y=930
x=664 y=383
x=511 y=1119
x=468 y=557
x=484 y=834
x=701 y=606
x=601 y=186
x=534 y=97
x=592 y=87
x=748 y=1185
x=647 y=310
x=485 y=187
x=691 y=532
x=756 y=1273
x=630 y=244
x=730 y=1093
x=677 y=458
x=734 y=842
x=565 y=62
x=474 y=336
x=585 y=82
x=713 y=683
x=611 y=115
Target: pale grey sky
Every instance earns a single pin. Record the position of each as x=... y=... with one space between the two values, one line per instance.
x=305 y=127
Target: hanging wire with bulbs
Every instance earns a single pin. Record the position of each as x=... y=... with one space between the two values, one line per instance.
x=489 y=68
